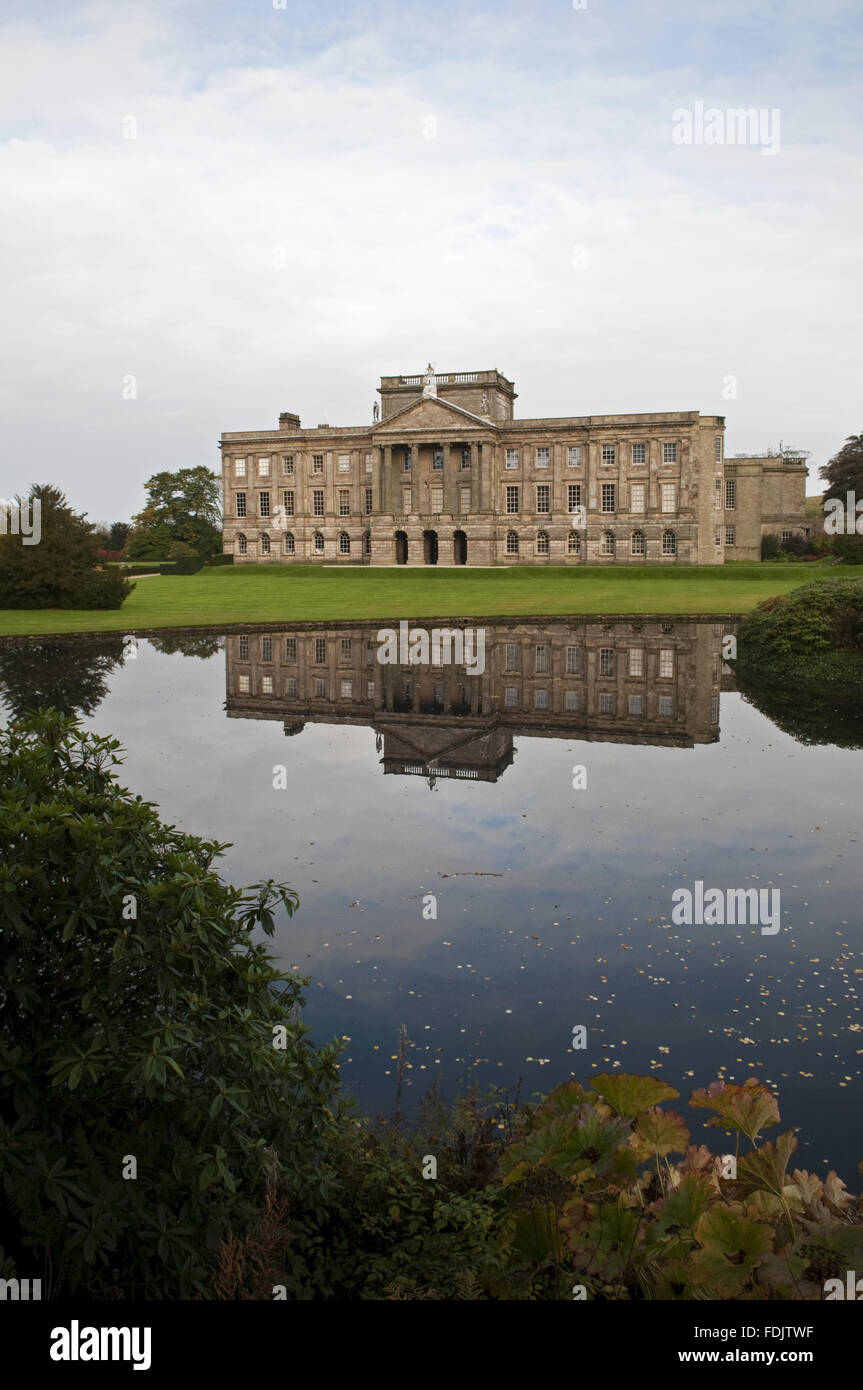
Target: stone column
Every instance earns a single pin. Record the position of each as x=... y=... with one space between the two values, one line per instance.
x=387 y=502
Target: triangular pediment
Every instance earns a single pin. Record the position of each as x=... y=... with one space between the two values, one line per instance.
x=431 y=413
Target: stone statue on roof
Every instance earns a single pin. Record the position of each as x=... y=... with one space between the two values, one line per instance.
x=429 y=383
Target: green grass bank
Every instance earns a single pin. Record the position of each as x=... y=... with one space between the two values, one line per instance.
x=307 y=593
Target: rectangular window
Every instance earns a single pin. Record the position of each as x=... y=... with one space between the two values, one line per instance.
x=368 y=501
x=636 y=661
x=714 y=710
x=540 y=699
x=370 y=690
x=573 y=496
x=510 y=697
x=437 y=500
x=320 y=650
x=345 y=648
x=437 y=460
x=512 y=458
x=786 y=536
x=717 y=536
x=512 y=650
x=717 y=448
x=541 y=661
x=244 y=685
x=606 y=702
x=512 y=499
x=542 y=498
x=609 y=453
x=573 y=661
x=669 y=497
x=239 y=468
x=243 y=645
x=266 y=685
x=669 y=453
x=369 y=463
x=666 y=662
x=464 y=498
x=573 y=456
x=241 y=504
x=264 y=509
x=730 y=494
x=317 y=463
x=318 y=501
x=409 y=461
x=266 y=648
x=288 y=463
x=717 y=495
x=636 y=704
x=542 y=457
x=406 y=500
x=608 y=497
x=291 y=687
x=729 y=535
x=639 y=453
x=320 y=688
x=465 y=457
x=572 y=701
x=637 y=494
x=290 y=649
x=263 y=468
x=347 y=689
x=344 y=463
x=666 y=706
x=289 y=502
x=344 y=501
x=606 y=661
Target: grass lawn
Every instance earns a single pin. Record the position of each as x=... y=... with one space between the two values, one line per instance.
x=297 y=593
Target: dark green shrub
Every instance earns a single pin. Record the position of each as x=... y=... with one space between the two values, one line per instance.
x=63 y=569
x=187 y=564
x=138 y=1020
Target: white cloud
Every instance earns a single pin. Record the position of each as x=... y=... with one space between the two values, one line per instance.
x=281 y=232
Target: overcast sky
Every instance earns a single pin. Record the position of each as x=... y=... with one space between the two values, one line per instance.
x=250 y=209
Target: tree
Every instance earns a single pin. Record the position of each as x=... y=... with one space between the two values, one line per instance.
x=157 y=1078
x=180 y=507
x=61 y=571
x=118 y=534
x=52 y=673
x=844 y=474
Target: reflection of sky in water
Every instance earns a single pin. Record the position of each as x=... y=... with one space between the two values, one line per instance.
x=554 y=905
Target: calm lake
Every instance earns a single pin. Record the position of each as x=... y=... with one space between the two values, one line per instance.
x=487 y=854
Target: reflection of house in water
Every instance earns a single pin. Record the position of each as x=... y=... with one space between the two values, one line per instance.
x=647 y=681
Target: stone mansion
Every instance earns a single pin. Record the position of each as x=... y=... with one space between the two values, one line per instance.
x=445 y=475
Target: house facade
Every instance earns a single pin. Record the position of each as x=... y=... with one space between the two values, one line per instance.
x=446 y=475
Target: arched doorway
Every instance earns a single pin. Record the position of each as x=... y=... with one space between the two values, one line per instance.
x=401 y=547
x=430 y=547
x=459 y=548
